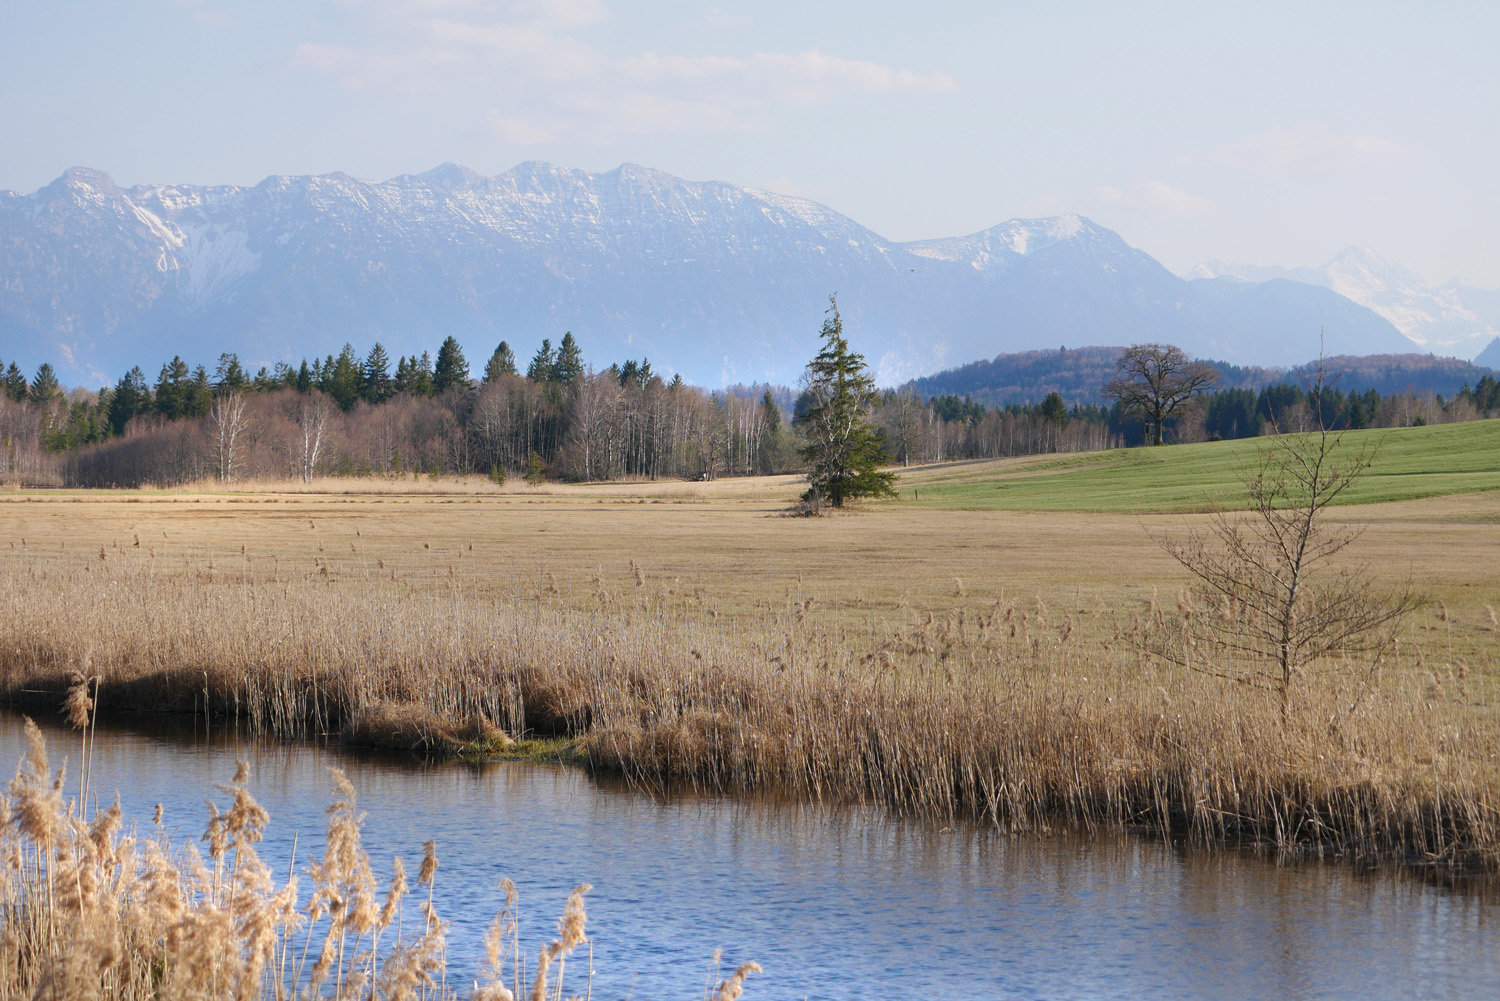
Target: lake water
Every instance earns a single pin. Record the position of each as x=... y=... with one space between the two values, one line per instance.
x=834 y=903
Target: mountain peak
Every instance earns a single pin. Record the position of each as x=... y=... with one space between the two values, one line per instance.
x=450 y=175
x=87 y=177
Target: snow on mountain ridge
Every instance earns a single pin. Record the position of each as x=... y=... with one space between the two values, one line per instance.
x=1001 y=245
x=692 y=273
x=1453 y=317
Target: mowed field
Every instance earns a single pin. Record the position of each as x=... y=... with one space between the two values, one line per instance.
x=1408 y=463
x=1077 y=531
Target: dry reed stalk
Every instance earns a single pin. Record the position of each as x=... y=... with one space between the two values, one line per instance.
x=91 y=912
x=1022 y=729
x=734 y=986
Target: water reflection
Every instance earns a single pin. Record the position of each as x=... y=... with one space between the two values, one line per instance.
x=843 y=903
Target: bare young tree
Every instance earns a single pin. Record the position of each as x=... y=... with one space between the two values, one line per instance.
x=228 y=422
x=1276 y=600
x=1157 y=381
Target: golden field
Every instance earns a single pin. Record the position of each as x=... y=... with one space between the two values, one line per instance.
x=730 y=544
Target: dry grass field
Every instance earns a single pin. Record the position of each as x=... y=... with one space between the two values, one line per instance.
x=729 y=544
x=978 y=664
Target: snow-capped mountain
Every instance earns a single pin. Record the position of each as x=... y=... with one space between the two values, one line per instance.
x=1455 y=318
x=718 y=282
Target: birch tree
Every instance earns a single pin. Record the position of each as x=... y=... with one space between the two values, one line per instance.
x=227 y=422
x=312 y=425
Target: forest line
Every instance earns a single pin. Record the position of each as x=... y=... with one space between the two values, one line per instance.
x=348 y=415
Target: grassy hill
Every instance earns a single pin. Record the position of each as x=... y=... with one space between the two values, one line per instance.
x=1409 y=463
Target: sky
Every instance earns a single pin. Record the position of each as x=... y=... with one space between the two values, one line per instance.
x=1265 y=133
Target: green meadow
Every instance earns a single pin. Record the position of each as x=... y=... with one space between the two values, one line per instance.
x=1409 y=463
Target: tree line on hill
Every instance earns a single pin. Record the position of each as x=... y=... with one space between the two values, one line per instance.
x=1080 y=375
x=356 y=415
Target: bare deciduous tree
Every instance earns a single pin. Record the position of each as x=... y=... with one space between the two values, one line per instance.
x=1157 y=381
x=312 y=422
x=228 y=422
x=1277 y=600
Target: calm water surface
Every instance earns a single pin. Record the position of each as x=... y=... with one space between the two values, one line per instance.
x=833 y=903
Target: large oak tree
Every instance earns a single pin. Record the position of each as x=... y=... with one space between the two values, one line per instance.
x=1156 y=383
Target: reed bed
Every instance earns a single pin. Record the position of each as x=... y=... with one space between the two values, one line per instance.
x=94 y=907
x=991 y=708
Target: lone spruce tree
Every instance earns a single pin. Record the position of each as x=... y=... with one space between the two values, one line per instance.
x=842 y=451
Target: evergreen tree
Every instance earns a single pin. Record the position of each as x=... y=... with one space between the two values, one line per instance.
x=304 y=382
x=131 y=397
x=198 y=399
x=44 y=386
x=229 y=377
x=501 y=363
x=1356 y=416
x=423 y=374
x=344 y=377
x=770 y=415
x=322 y=373
x=542 y=365
x=1276 y=401
x=89 y=422
x=452 y=370
x=377 y=387
x=15 y=383
x=634 y=373
x=414 y=375
x=568 y=368
x=1053 y=410
x=842 y=451
x=1232 y=414
x=172 y=388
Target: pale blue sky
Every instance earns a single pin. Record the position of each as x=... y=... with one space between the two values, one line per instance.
x=1270 y=133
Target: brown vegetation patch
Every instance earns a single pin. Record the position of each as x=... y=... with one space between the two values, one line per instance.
x=411 y=726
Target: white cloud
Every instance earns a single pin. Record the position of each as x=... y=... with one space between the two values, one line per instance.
x=1155 y=196
x=549 y=82
x=1306 y=147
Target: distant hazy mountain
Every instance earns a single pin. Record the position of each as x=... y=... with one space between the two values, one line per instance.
x=1490 y=356
x=720 y=283
x=1453 y=319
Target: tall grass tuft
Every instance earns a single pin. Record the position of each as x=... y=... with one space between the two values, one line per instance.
x=89 y=911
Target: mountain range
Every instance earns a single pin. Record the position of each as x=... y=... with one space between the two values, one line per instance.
x=720 y=283
x=1456 y=318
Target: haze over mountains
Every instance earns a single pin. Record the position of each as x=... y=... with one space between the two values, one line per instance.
x=1455 y=318
x=717 y=282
